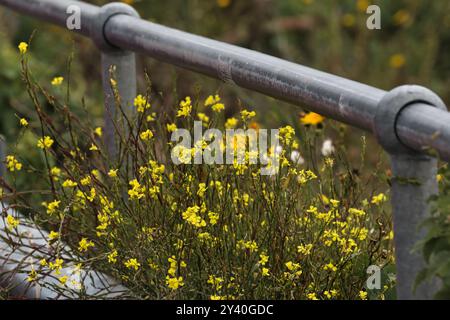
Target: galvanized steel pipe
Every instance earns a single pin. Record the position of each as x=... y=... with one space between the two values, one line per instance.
x=338 y=98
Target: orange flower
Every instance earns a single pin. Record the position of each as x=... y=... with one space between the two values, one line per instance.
x=312 y=118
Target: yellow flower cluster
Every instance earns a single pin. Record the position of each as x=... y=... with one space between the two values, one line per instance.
x=23 y=47
x=141 y=103
x=214 y=103
x=132 y=263
x=84 y=245
x=185 y=108
x=13 y=164
x=192 y=217
x=146 y=135
x=52 y=207
x=172 y=281
x=247 y=115
x=45 y=143
x=137 y=191
x=250 y=245
x=12 y=222
x=57 y=81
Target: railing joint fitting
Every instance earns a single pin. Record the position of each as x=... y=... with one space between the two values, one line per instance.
x=389 y=109
x=106 y=12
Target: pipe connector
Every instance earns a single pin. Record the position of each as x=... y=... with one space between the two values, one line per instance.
x=388 y=112
x=106 y=12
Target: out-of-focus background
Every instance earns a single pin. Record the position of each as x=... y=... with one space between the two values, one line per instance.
x=331 y=35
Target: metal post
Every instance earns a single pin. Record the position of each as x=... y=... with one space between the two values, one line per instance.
x=413 y=182
x=124 y=64
x=2 y=156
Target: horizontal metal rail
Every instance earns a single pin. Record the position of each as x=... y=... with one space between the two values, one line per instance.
x=407 y=120
x=335 y=97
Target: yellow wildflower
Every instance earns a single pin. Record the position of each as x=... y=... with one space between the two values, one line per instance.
x=52 y=206
x=23 y=47
x=185 y=108
x=401 y=17
x=137 y=191
x=69 y=184
x=63 y=279
x=246 y=115
x=363 y=295
x=286 y=134
x=305 y=249
x=263 y=259
x=190 y=215
x=55 y=172
x=146 y=135
x=98 y=131
x=57 y=81
x=362 y=5
x=348 y=20
x=311 y=296
x=215 y=282
x=23 y=122
x=53 y=235
x=13 y=164
x=32 y=275
x=223 y=3
x=396 y=61
x=174 y=283
x=231 y=123
x=356 y=212
x=380 y=198
x=141 y=103
x=86 y=181
x=213 y=217
x=112 y=257
x=330 y=267
x=292 y=266
x=45 y=143
x=171 y=127
x=12 y=222
x=252 y=246
x=84 y=245
x=113 y=173
x=57 y=265
x=132 y=264
x=203 y=117
x=201 y=189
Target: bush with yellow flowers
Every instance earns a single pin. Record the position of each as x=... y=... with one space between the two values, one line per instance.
x=198 y=231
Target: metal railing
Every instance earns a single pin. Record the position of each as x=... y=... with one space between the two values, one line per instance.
x=407 y=121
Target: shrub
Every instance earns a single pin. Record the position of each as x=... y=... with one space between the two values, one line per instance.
x=198 y=231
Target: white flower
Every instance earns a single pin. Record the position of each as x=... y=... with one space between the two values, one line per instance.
x=278 y=150
x=327 y=148
x=297 y=158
